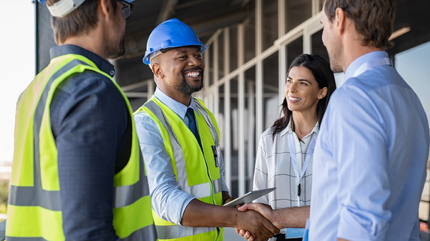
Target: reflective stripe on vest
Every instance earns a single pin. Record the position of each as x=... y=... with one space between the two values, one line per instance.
x=142 y=235
x=33 y=197
x=172 y=232
x=199 y=191
x=208 y=121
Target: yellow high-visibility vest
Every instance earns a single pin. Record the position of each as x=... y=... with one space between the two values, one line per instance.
x=196 y=168
x=34 y=211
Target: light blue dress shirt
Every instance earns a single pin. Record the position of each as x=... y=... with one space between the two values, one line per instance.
x=168 y=201
x=370 y=158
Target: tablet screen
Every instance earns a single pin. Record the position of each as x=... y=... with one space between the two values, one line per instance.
x=249 y=197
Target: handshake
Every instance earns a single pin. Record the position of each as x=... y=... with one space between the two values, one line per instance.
x=257 y=221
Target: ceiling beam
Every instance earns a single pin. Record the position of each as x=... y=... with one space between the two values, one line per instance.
x=166 y=10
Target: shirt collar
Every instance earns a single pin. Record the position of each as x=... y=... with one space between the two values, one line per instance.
x=363 y=59
x=179 y=108
x=288 y=129
x=100 y=62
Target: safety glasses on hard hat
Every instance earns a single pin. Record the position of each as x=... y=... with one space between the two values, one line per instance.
x=127 y=9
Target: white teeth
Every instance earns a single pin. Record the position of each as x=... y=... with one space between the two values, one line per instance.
x=294 y=99
x=193 y=74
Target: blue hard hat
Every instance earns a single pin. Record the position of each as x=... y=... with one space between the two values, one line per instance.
x=171 y=33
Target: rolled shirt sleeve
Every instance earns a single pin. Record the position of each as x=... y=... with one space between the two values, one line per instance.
x=168 y=201
x=359 y=142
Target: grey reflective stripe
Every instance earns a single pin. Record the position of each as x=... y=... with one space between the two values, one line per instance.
x=171 y=232
x=24 y=239
x=204 y=189
x=217 y=185
x=36 y=196
x=147 y=233
x=199 y=190
x=127 y=195
x=177 y=149
x=208 y=121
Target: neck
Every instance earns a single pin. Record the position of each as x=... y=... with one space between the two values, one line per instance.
x=355 y=53
x=176 y=95
x=92 y=41
x=353 y=48
x=304 y=123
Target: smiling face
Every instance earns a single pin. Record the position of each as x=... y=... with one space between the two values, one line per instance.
x=180 y=71
x=302 y=91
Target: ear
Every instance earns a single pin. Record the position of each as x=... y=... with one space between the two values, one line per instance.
x=340 y=20
x=322 y=93
x=105 y=8
x=158 y=72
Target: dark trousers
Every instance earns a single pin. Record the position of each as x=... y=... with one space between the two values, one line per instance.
x=281 y=237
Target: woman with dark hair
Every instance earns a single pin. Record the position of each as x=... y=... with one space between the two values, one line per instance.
x=310 y=83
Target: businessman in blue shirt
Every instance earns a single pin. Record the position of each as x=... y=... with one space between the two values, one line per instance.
x=370 y=157
x=373 y=145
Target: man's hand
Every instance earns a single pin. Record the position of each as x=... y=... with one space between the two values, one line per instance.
x=263 y=209
x=258 y=227
x=294 y=217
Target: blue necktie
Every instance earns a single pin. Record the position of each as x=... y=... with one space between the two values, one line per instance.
x=192 y=123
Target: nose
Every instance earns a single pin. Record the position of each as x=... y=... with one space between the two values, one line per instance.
x=292 y=87
x=194 y=61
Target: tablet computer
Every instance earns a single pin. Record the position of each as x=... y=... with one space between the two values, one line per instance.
x=249 y=197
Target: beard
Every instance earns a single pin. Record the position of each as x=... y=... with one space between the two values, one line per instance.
x=335 y=58
x=116 y=49
x=188 y=89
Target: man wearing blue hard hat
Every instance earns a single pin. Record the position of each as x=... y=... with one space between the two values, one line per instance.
x=78 y=173
x=179 y=139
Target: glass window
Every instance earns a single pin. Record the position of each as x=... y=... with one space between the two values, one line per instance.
x=210 y=65
x=317 y=45
x=233 y=48
x=413 y=66
x=234 y=123
x=270 y=23
x=250 y=38
x=294 y=49
x=221 y=55
x=297 y=11
x=270 y=87
x=250 y=135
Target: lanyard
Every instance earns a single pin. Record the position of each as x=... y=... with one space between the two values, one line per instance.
x=307 y=159
x=371 y=64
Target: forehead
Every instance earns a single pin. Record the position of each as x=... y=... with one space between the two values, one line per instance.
x=300 y=72
x=187 y=50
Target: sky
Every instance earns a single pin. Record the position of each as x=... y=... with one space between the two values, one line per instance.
x=17 y=64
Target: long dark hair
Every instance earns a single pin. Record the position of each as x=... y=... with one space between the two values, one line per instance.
x=322 y=73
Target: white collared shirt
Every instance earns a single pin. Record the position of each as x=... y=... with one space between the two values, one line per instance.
x=273 y=168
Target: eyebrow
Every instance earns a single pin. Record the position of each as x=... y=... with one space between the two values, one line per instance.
x=288 y=77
